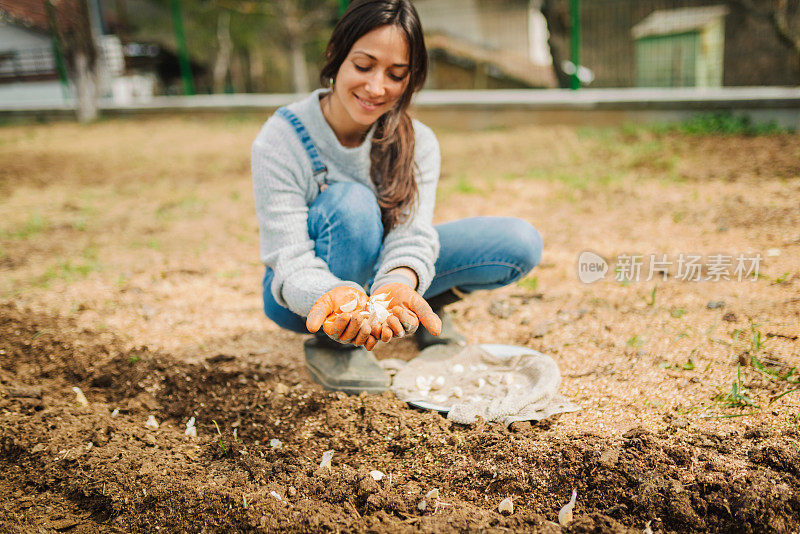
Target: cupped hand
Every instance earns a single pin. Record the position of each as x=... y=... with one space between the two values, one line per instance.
x=346 y=325
x=408 y=310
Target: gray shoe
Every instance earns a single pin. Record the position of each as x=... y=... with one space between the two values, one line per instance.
x=449 y=335
x=340 y=367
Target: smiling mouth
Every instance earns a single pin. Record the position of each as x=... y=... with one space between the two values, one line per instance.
x=367 y=104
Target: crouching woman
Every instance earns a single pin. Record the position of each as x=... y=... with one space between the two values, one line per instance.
x=345 y=186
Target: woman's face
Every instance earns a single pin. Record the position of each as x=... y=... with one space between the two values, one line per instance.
x=373 y=76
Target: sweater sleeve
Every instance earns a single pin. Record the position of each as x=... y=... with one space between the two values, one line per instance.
x=415 y=243
x=282 y=178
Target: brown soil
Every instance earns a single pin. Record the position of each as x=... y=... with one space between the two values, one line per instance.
x=129 y=268
x=67 y=467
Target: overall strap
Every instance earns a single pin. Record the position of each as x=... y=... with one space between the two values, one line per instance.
x=305 y=139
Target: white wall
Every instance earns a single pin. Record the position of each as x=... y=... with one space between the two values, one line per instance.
x=15 y=38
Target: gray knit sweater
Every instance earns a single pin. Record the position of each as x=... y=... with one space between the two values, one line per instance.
x=284 y=188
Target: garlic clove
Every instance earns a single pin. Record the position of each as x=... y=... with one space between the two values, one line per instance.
x=80 y=397
x=565 y=514
x=506 y=505
x=151 y=423
x=276 y=495
x=437 y=382
x=376 y=475
x=326 y=459
x=432 y=494
x=350 y=306
x=191 y=431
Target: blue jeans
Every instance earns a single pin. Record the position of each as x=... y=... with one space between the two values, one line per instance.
x=475 y=253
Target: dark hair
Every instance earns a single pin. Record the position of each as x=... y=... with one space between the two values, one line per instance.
x=392 y=156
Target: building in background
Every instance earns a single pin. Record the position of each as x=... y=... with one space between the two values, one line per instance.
x=681 y=47
x=486 y=44
x=29 y=69
x=741 y=47
x=33 y=63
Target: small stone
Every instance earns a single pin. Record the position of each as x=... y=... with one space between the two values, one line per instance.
x=679 y=423
x=714 y=304
x=291 y=491
x=151 y=423
x=281 y=389
x=730 y=317
x=520 y=426
x=636 y=432
x=31 y=392
x=275 y=443
x=609 y=458
x=501 y=309
x=541 y=329
x=367 y=486
x=758 y=432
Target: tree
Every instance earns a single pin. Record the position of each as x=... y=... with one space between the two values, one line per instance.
x=556 y=13
x=783 y=16
x=295 y=21
x=72 y=29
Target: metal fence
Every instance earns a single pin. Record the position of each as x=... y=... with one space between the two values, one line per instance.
x=677 y=43
x=620 y=43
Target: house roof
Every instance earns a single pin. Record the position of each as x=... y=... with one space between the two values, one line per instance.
x=32 y=14
x=509 y=64
x=672 y=21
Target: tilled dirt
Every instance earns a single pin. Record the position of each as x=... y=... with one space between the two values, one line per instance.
x=71 y=468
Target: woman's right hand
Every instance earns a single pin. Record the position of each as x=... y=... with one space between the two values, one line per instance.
x=342 y=326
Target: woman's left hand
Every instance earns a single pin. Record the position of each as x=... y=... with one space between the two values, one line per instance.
x=408 y=310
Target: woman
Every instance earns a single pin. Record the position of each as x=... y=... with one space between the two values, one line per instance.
x=345 y=186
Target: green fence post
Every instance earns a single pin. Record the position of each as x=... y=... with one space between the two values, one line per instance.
x=183 y=53
x=58 y=52
x=343 y=6
x=575 y=39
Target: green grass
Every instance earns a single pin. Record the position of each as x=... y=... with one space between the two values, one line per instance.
x=737 y=396
x=651 y=302
x=636 y=341
x=70 y=270
x=722 y=123
x=688 y=366
x=530 y=282
x=36 y=224
x=219 y=434
x=188 y=205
